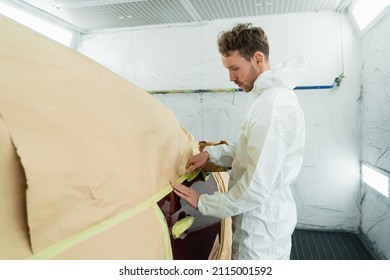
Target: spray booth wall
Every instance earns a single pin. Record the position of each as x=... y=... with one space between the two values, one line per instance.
x=375 y=98
x=327 y=190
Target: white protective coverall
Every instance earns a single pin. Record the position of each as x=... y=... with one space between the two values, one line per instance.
x=265 y=162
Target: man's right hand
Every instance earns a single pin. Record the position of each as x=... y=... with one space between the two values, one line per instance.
x=197 y=161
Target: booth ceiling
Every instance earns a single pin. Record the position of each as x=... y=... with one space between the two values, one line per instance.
x=93 y=15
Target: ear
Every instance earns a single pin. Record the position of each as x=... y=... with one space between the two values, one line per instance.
x=258 y=58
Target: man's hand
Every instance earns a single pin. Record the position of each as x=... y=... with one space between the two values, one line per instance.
x=188 y=194
x=197 y=161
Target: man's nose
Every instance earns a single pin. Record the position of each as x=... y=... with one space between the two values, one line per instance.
x=232 y=77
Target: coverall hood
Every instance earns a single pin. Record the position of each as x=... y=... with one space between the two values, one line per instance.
x=287 y=74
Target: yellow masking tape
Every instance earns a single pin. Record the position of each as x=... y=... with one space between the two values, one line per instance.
x=77 y=238
x=193 y=175
x=181 y=226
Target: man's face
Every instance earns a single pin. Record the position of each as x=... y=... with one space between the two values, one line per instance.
x=241 y=71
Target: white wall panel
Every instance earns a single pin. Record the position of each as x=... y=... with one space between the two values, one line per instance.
x=376 y=130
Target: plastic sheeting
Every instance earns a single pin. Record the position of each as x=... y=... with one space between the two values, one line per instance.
x=375 y=98
x=209 y=116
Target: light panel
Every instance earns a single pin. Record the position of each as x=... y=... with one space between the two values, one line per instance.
x=364 y=12
x=376 y=180
x=46 y=28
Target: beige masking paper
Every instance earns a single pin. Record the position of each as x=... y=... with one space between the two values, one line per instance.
x=79 y=147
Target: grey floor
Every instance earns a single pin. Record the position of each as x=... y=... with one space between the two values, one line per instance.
x=322 y=245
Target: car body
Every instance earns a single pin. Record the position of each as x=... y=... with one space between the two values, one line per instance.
x=85 y=157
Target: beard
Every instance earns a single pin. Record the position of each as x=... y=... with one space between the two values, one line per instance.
x=249 y=83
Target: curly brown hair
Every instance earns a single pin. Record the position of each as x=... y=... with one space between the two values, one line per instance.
x=246 y=39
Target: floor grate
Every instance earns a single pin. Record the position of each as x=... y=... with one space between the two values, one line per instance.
x=322 y=245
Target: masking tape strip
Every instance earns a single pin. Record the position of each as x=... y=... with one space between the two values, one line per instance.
x=77 y=238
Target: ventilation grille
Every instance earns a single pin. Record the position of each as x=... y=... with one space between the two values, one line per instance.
x=92 y=15
x=219 y=9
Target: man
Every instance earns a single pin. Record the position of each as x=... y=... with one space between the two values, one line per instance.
x=269 y=153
